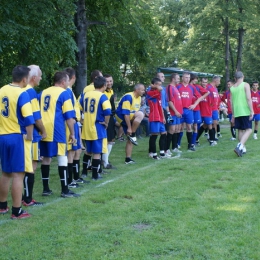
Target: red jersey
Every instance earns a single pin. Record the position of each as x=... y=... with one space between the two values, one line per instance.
x=205 y=107
x=153 y=97
x=214 y=96
x=256 y=101
x=187 y=93
x=175 y=97
x=202 y=91
x=226 y=98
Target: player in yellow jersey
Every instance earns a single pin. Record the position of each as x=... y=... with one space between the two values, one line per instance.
x=16 y=134
x=97 y=110
x=129 y=116
x=56 y=110
x=39 y=132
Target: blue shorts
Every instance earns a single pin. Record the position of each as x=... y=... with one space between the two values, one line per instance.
x=187 y=116
x=15 y=153
x=207 y=120
x=156 y=127
x=215 y=115
x=176 y=120
x=77 y=145
x=52 y=149
x=197 y=117
x=243 y=123
x=256 y=117
x=229 y=117
x=96 y=146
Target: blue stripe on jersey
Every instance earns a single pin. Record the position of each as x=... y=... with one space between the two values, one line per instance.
x=23 y=121
x=123 y=111
x=71 y=96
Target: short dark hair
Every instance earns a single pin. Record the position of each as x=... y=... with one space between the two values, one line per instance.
x=155 y=80
x=94 y=74
x=107 y=75
x=100 y=82
x=70 y=72
x=59 y=76
x=173 y=76
x=193 y=76
x=19 y=72
x=204 y=78
x=255 y=82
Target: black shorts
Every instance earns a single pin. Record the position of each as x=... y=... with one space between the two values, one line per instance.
x=243 y=123
x=111 y=130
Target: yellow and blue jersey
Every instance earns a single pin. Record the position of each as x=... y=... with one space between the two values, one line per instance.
x=75 y=104
x=128 y=105
x=35 y=109
x=16 y=110
x=95 y=106
x=55 y=107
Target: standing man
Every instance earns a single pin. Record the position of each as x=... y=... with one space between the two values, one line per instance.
x=111 y=125
x=57 y=110
x=16 y=134
x=128 y=114
x=255 y=95
x=97 y=110
x=242 y=111
x=39 y=133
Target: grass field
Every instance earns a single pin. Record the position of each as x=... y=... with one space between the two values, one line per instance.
x=200 y=205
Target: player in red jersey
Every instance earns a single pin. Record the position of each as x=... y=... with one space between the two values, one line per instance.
x=176 y=110
x=156 y=119
x=212 y=87
x=196 y=111
x=226 y=98
x=255 y=95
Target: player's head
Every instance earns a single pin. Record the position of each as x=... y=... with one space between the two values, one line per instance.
x=94 y=74
x=100 y=83
x=175 y=78
x=72 y=75
x=20 y=75
x=238 y=75
x=161 y=76
x=61 y=79
x=204 y=82
x=35 y=75
x=156 y=83
x=255 y=85
x=229 y=83
x=193 y=78
x=139 y=89
x=216 y=80
x=110 y=81
x=185 y=77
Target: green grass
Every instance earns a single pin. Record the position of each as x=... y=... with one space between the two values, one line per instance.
x=201 y=205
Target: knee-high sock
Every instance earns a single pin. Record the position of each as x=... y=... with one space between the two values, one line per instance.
x=194 y=137
x=28 y=182
x=76 y=169
x=233 y=131
x=45 y=170
x=162 y=142
x=174 y=140
x=189 y=138
x=152 y=143
x=63 y=178
x=70 y=172
x=201 y=130
x=169 y=141
x=179 y=138
x=95 y=168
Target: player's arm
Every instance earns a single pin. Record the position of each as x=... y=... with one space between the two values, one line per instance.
x=29 y=133
x=172 y=107
x=70 y=123
x=198 y=100
x=249 y=100
x=39 y=125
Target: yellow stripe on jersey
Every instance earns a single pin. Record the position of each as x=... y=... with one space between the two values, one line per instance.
x=109 y=93
x=88 y=88
x=27 y=109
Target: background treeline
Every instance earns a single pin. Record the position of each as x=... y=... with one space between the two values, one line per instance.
x=130 y=39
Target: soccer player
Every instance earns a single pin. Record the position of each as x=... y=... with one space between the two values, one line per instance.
x=97 y=110
x=212 y=87
x=16 y=134
x=176 y=110
x=86 y=164
x=226 y=98
x=156 y=119
x=129 y=116
x=187 y=93
x=56 y=110
x=74 y=149
x=39 y=132
x=111 y=125
x=255 y=95
x=196 y=111
x=242 y=109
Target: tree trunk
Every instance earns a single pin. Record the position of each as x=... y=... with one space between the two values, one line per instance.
x=227 y=52
x=81 y=40
x=232 y=62
x=241 y=32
